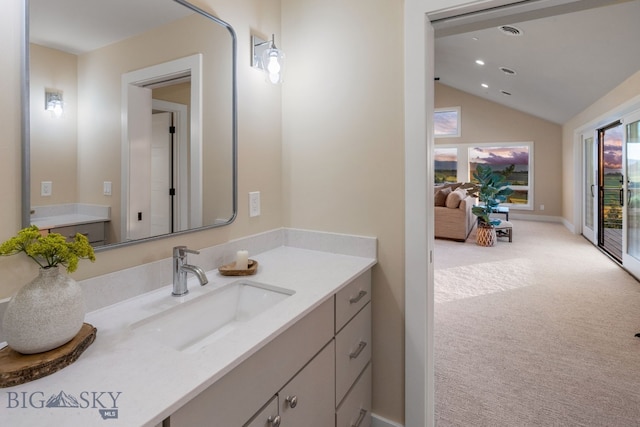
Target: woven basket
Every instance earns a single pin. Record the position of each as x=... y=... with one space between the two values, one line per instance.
x=486 y=236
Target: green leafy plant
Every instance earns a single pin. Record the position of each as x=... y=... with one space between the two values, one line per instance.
x=491 y=189
x=50 y=250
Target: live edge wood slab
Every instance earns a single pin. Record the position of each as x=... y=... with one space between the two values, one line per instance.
x=17 y=368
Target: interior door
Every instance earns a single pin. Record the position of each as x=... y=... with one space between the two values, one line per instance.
x=631 y=228
x=590 y=190
x=161 y=175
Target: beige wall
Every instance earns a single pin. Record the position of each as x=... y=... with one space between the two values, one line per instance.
x=259 y=147
x=53 y=139
x=335 y=165
x=343 y=151
x=599 y=113
x=486 y=121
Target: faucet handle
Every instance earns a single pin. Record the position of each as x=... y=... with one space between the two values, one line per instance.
x=181 y=251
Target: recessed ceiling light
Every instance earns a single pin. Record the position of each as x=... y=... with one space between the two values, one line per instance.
x=475 y=39
x=484 y=85
x=479 y=62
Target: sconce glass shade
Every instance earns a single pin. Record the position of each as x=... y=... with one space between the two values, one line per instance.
x=273 y=63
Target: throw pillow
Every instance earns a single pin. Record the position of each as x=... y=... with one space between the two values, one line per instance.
x=440 y=197
x=454 y=199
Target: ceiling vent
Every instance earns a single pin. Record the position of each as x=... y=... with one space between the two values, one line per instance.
x=504 y=92
x=508 y=71
x=510 y=30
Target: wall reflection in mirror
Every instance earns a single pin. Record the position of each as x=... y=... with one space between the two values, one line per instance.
x=143 y=141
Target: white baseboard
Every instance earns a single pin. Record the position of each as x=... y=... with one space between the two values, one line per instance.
x=529 y=217
x=569 y=226
x=378 y=421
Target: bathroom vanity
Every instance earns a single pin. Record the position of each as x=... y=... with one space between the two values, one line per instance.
x=71 y=218
x=301 y=359
x=304 y=377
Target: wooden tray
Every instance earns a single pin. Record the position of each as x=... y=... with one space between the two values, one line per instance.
x=17 y=368
x=230 y=269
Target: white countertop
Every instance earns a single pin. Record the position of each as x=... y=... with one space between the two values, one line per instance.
x=153 y=379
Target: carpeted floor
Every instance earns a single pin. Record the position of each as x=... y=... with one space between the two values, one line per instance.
x=538 y=332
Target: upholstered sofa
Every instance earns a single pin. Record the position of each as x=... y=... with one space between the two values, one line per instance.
x=453 y=218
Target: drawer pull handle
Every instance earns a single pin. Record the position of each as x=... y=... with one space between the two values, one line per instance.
x=292 y=401
x=363 y=412
x=356 y=299
x=274 y=421
x=356 y=353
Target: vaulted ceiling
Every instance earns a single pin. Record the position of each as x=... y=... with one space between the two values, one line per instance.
x=556 y=67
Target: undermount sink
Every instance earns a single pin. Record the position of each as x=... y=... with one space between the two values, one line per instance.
x=194 y=324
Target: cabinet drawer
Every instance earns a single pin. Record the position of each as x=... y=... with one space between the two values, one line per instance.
x=355 y=410
x=94 y=231
x=353 y=351
x=352 y=298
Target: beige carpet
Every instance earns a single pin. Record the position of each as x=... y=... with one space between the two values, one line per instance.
x=538 y=332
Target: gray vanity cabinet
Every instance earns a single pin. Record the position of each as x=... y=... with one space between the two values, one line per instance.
x=315 y=373
x=353 y=353
x=307 y=400
x=95 y=232
x=236 y=397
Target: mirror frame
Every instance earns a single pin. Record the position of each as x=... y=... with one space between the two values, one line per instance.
x=26 y=131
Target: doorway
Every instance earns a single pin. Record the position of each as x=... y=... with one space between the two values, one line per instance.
x=611 y=189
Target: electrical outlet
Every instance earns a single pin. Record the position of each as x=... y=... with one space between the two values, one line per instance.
x=254 y=203
x=106 y=188
x=541 y=207
x=46 y=188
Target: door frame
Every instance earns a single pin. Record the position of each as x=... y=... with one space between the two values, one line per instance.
x=153 y=74
x=629 y=262
x=610 y=116
x=418 y=144
x=589 y=234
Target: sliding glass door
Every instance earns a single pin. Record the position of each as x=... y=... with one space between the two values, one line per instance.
x=611 y=189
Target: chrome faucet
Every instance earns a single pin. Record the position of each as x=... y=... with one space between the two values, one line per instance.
x=181 y=268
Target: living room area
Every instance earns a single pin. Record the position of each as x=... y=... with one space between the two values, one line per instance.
x=540 y=330
x=511 y=97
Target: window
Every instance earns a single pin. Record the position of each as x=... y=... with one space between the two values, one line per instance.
x=515 y=161
x=446 y=122
x=446 y=165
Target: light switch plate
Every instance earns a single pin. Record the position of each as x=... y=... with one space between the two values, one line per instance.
x=46 y=188
x=106 y=188
x=254 y=203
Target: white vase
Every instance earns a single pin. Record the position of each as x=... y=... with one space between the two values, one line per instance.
x=45 y=314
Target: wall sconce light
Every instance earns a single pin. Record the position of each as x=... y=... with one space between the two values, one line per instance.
x=53 y=102
x=267 y=57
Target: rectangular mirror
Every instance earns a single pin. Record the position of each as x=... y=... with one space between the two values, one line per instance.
x=130 y=119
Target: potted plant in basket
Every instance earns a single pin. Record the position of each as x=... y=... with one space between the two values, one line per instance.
x=49 y=311
x=491 y=189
